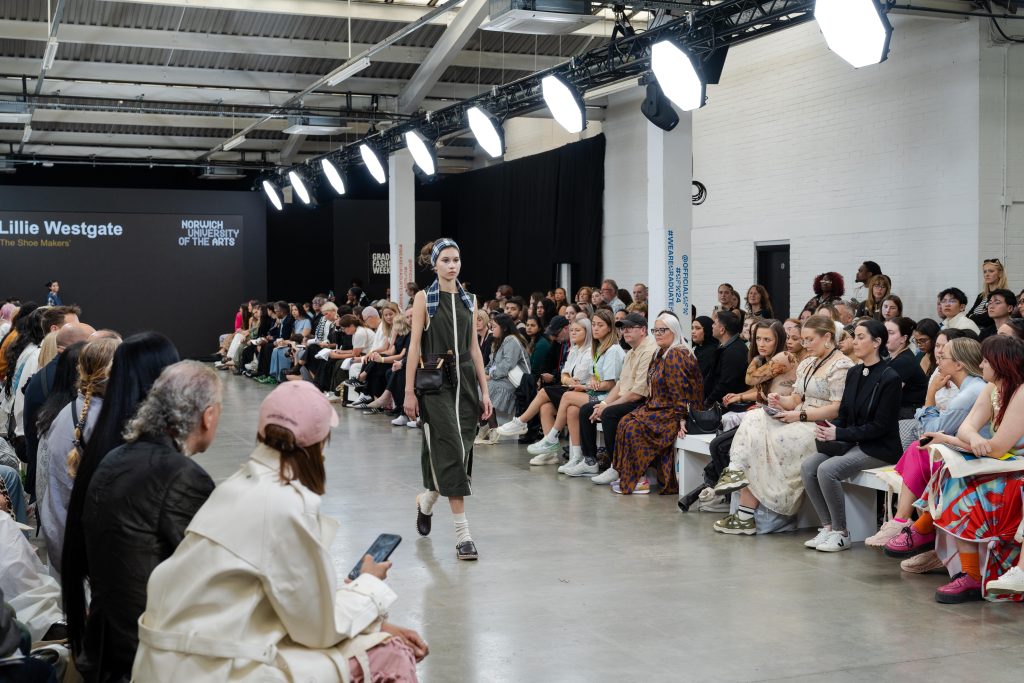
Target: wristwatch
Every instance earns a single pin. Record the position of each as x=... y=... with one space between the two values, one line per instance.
x=803 y=416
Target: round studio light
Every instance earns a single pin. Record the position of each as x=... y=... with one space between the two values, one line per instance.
x=373 y=164
x=856 y=30
x=564 y=102
x=298 y=186
x=485 y=130
x=333 y=176
x=421 y=153
x=271 y=191
x=677 y=75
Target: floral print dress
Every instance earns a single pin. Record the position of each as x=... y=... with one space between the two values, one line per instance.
x=647 y=435
x=770 y=451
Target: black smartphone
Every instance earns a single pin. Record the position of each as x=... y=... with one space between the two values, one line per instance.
x=925 y=441
x=379 y=551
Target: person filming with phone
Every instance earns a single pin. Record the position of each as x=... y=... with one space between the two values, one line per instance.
x=261 y=600
x=864 y=435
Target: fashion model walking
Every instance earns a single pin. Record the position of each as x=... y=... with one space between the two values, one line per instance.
x=442 y=327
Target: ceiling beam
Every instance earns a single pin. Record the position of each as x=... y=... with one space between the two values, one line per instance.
x=224 y=78
x=291 y=147
x=282 y=47
x=370 y=11
x=442 y=55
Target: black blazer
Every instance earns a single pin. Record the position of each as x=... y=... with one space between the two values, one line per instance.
x=872 y=423
x=729 y=373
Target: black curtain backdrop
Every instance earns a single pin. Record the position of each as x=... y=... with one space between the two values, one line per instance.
x=516 y=221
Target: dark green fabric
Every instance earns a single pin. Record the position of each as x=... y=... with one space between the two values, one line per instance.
x=450 y=416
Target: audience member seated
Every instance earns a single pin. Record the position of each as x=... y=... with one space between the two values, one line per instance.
x=828 y=289
x=704 y=343
x=19 y=319
x=971 y=522
x=924 y=336
x=906 y=365
x=606 y=358
x=728 y=372
x=545 y=311
x=646 y=437
x=66 y=422
x=993 y=277
x=312 y=360
x=864 y=435
x=892 y=308
x=381 y=378
x=1014 y=327
x=610 y=295
x=629 y=393
x=845 y=311
x=509 y=367
x=771 y=369
x=15 y=649
x=759 y=304
x=1001 y=305
x=12 y=494
x=259 y=335
x=483 y=323
x=339 y=360
x=958 y=361
x=640 y=293
x=23 y=359
x=584 y=295
x=770 y=445
x=278 y=336
x=137 y=363
x=879 y=287
x=537 y=345
x=286 y=601
x=574 y=375
x=7 y=312
x=725 y=298
x=952 y=302
x=369 y=374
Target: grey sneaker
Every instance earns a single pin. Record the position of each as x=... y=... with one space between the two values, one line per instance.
x=731 y=480
x=544 y=447
x=582 y=469
x=733 y=525
x=606 y=477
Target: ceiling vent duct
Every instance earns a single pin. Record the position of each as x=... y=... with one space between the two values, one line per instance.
x=539 y=17
x=315 y=125
x=221 y=173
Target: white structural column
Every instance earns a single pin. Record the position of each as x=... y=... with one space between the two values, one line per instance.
x=401 y=222
x=670 y=218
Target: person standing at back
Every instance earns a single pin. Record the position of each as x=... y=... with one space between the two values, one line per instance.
x=443 y=329
x=53 y=294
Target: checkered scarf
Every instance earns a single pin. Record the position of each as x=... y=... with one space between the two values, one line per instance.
x=434 y=290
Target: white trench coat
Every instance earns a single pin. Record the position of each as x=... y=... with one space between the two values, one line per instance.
x=251 y=593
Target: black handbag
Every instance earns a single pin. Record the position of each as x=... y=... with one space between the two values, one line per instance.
x=430 y=375
x=704 y=421
x=833 y=448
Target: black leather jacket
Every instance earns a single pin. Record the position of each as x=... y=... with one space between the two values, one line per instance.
x=141 y=499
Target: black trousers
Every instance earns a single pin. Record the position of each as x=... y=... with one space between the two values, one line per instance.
x=263 y=365
x=610 y=418
x=376 y=377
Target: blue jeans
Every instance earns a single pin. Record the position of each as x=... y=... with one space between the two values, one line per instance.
x=13 y=481
x=279 y=363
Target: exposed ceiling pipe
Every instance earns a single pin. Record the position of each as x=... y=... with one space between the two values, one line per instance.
x=48 y=54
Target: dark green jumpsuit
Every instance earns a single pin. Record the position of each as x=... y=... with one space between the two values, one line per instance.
x=450 y=417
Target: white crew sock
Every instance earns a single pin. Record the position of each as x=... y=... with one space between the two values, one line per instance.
x=575 y=453
x=426 y=501
x=461 y=529
x=552 y=436
x=516 y=421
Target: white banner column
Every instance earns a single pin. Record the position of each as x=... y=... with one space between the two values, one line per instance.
x=670 y=219
x=401 y=223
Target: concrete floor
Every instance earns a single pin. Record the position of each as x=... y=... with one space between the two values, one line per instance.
x=577 y=584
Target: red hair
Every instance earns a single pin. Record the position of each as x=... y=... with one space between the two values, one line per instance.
x=838 y=287
x=1005 y=355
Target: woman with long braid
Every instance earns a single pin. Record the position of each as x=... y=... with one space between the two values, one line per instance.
x=64 y=442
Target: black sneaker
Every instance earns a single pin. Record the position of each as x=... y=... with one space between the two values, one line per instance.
x=466 y=551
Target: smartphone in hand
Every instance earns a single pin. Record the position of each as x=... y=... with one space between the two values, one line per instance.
x=380 y=551
x=822 y=423
x=771 y=411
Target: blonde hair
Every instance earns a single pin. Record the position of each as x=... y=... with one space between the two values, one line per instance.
x=822 y=325
x=48 y=349
x=393 y=307
x=93 y=371
x=1002 y=283
x=400 y=325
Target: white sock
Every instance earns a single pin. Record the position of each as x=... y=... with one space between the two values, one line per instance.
x=461 y=529
x=426 y=501
x=516 y=421
x=575 y=452
x=552 y=436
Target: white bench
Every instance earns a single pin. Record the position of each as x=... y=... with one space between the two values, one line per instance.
x=693 y=454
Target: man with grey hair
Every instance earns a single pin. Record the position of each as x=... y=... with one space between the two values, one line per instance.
x=845 y=310
x=142 y=497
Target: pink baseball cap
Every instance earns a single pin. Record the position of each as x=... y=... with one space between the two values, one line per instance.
x=300 y=408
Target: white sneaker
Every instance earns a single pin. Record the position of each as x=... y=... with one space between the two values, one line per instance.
x=822 y=536
x=582 y=469
x=572 y=463
x=606 y=477
x=544 y=447
x=836 y=541
x=333 y=398
x=413 y=424
x=481 y=435
x=513 y=428
x=717 y=504
x=1010 y=583
x=544 y=459
x=889 y=531
x=400 y=421
x=707 y=495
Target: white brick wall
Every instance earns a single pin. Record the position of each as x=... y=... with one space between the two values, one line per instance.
x=892 y=163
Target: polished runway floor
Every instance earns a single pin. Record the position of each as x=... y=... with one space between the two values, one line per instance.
x=577 y=584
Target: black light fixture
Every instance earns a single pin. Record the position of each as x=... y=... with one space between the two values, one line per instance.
x=657 y=108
